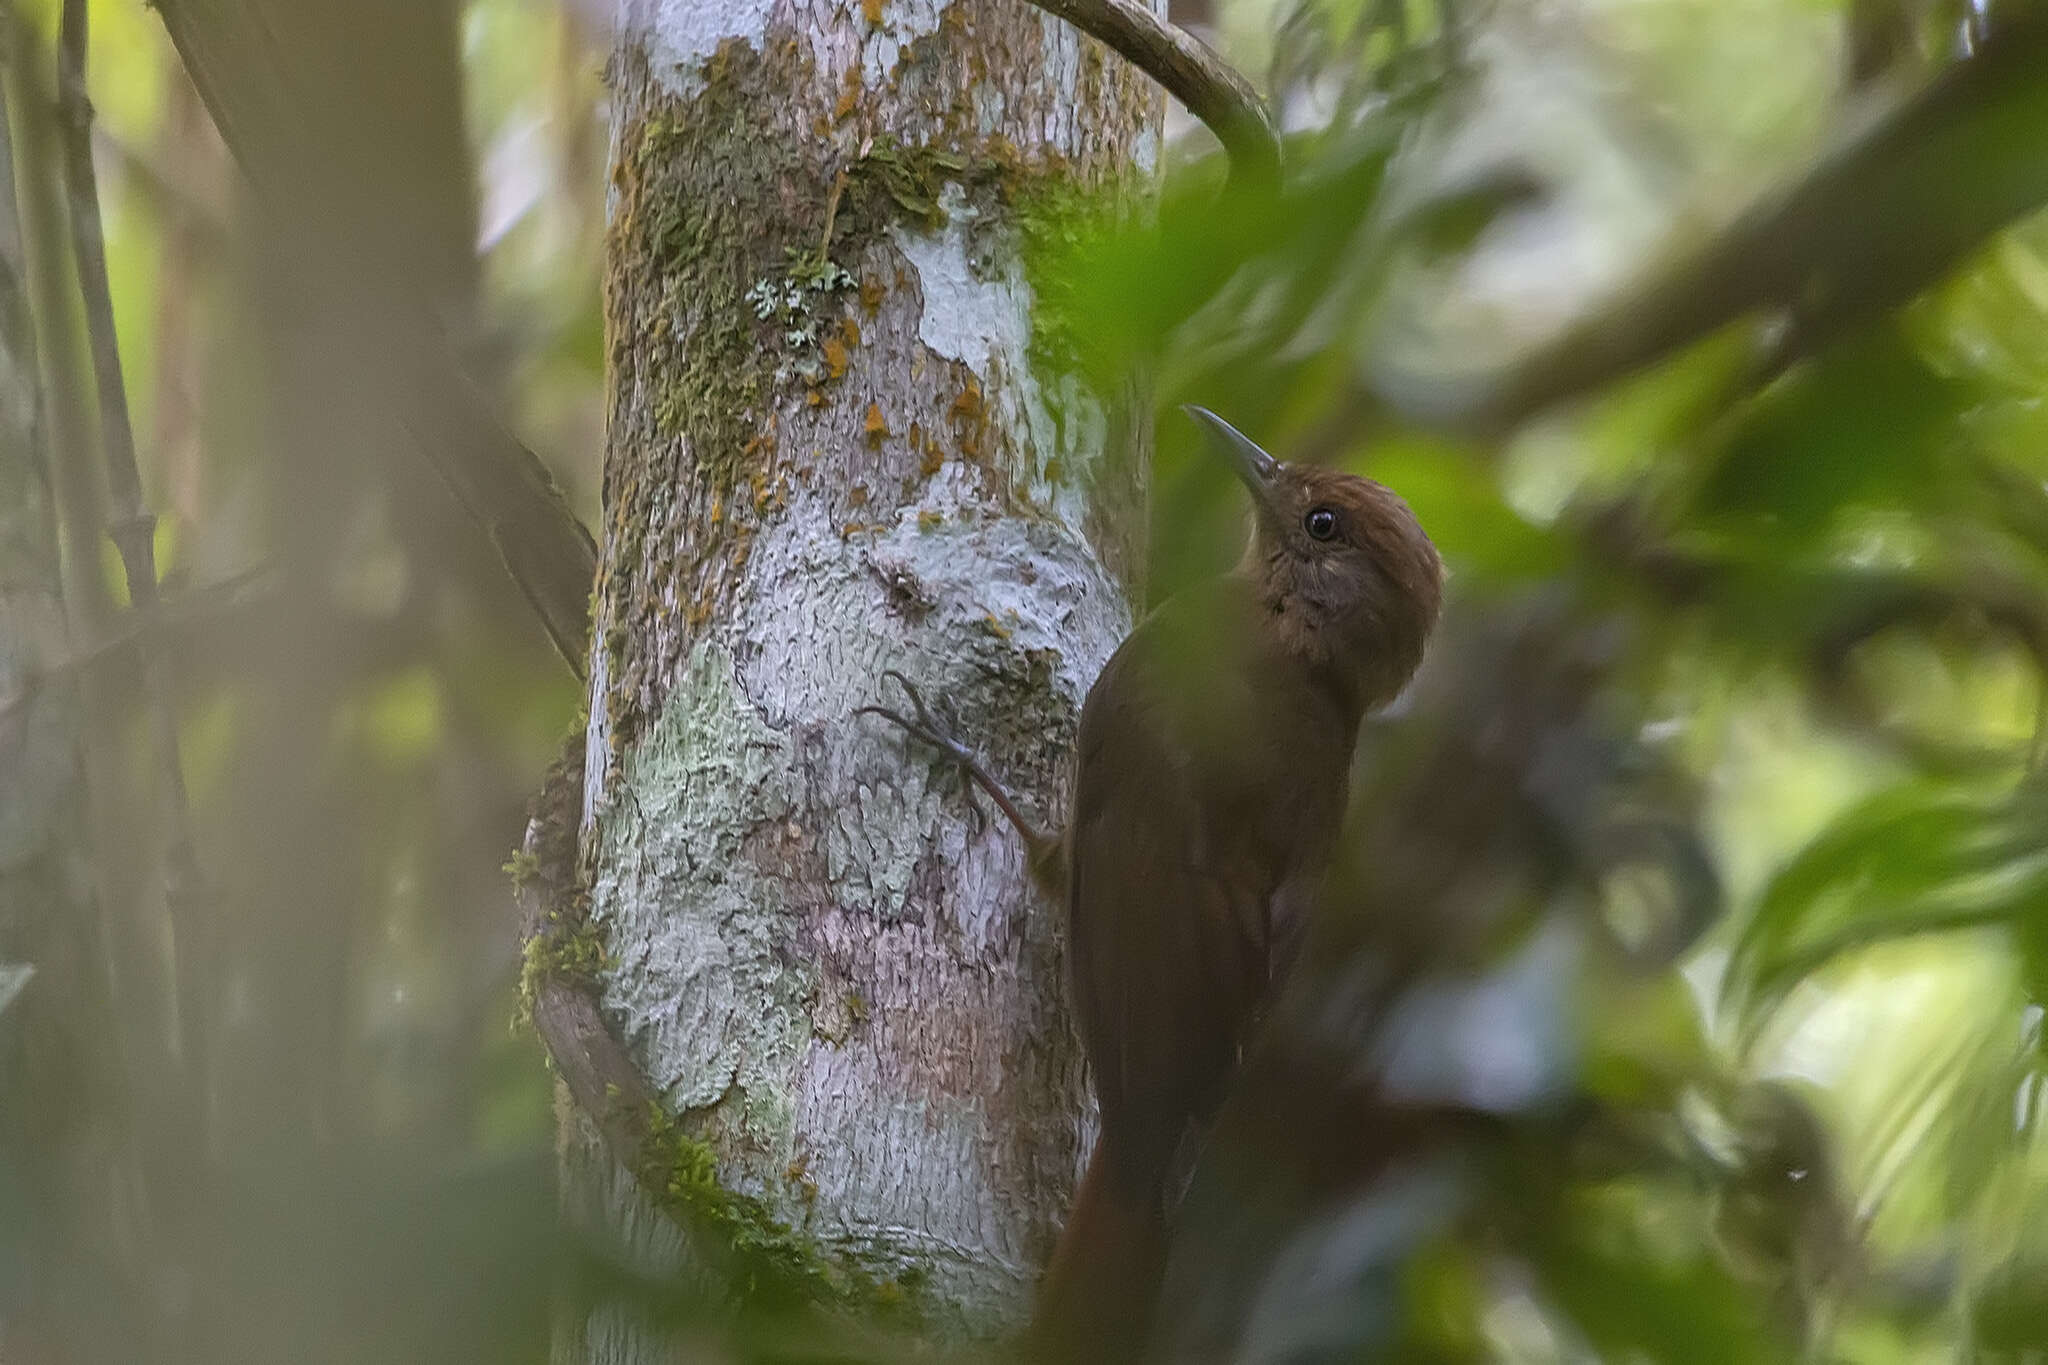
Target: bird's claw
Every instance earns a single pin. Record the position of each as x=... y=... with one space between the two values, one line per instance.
x=924 y=726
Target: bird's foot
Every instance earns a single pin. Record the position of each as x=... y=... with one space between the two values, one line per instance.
x=921 y=724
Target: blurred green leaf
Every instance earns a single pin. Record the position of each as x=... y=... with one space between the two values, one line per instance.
x=1638 y=1286
x=2010 y=1313
x=1866 y=422
x=1921 y=858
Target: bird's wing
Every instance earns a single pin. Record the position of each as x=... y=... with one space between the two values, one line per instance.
x=1167 y=922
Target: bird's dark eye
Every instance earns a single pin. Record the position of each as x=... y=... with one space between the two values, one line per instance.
x=1321 y=523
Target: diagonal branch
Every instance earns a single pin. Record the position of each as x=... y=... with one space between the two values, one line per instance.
x=1865 y=231
x=1211 y=89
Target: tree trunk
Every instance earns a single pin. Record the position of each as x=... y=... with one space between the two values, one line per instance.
x=839 y=444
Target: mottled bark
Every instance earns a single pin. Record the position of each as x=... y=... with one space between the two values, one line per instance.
x=841 y=442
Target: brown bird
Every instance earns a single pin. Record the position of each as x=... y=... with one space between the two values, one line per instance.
x=1214 y=753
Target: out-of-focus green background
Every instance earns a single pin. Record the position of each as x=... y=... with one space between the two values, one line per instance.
x=1820 y=562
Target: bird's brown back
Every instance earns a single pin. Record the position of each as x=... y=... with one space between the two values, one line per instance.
x=1210 y=782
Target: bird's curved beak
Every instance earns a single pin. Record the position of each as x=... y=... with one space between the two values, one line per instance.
x=1258 y=470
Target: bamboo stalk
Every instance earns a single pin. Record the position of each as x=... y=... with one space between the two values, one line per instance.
x=132 y=527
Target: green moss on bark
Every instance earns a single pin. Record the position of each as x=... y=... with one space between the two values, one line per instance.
x=571 y=954
x=768 y=1263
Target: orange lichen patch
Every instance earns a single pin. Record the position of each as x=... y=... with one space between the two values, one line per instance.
x=814 y=398
x=875 y=427
x=769 y=498
x=849 y=94
x=933 y=458
x=717 y=509
x=967 y=404
x=857 y=496
x=850 y=330
x=929 y=520
x=970 y=418
x=995 y=627
x=835 y=358
x=870 y=296
x=872 y=11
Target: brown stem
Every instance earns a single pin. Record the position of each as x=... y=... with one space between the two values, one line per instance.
x=1211 y=89
x=831 y=213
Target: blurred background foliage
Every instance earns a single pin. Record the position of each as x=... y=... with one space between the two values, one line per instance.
x=1688 y=959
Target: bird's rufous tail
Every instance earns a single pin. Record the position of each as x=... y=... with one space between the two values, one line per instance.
x=1095 y=1302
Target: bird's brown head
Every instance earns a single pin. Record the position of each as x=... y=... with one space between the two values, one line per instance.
x=1345 y=573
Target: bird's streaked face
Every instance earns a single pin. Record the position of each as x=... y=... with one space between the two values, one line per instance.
x=1346 y=570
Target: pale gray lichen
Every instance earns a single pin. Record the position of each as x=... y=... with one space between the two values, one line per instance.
x=1054 y=610
x=903 y=23
x=793 y=302
x=699 y=991
x=979 y=313
x=966 y=317
x=842 y=986
x=679 y=36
